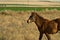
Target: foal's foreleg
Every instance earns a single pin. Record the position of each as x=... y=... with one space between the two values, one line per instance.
x=47 y=35
x=41 y=35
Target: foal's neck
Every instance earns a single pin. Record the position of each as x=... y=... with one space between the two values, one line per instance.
x=39 y=21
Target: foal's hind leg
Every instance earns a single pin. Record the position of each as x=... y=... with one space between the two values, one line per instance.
x=47 y=35
x=41 y=35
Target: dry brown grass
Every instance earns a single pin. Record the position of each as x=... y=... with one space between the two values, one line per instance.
x=13 y=25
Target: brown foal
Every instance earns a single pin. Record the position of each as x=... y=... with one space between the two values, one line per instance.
x=44 y=26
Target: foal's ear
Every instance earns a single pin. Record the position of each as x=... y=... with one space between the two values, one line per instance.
x=33 y=13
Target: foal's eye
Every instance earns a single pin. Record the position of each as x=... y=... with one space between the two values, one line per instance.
x=31 y=16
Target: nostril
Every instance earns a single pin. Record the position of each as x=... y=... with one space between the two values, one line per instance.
x=27 y=21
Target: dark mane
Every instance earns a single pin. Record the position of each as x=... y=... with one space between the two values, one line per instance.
x=41 y=17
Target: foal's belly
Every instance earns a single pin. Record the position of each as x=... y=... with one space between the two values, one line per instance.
x=51 y=31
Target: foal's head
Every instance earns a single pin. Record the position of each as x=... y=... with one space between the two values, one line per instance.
x=32 y=17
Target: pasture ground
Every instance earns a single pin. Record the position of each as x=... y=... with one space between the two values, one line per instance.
x=13 y=25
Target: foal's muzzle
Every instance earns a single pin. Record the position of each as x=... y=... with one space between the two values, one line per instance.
x=28 y=21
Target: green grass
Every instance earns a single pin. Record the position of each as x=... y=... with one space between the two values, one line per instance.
x=28 y=8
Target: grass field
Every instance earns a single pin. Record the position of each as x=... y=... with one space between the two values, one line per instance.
x=14 y=26
x=28 y=8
